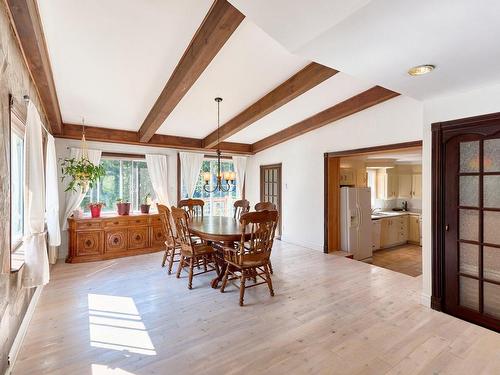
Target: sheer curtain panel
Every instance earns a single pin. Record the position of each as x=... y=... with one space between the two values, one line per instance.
x=73 y=199
x=240 y=167
x=190 y=170
x=36 y=261
x=157 y=169
x=52 y=199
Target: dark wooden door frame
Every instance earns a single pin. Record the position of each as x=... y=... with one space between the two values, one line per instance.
x=441 y=133
x=280 y=190
x=353 y=152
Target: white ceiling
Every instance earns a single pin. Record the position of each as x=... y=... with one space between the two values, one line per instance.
x=378 y=40
x=410 y=155
x=248 y=66
x=111 y=59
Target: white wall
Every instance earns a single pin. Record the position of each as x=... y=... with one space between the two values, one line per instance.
x=466 y=104
x=62 y=151
x=395 y=121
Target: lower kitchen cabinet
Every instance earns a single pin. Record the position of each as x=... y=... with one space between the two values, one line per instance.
x=393 y=231
x=414 y=232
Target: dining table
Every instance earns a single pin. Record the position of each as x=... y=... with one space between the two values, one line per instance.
x=220 y=231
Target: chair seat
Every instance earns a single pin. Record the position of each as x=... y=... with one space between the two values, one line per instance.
x=200 y=249
x=250 y=261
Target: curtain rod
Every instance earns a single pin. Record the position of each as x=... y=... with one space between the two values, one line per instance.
x=27 y=99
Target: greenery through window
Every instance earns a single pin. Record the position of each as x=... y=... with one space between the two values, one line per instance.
x=217 y=203
x=17 y=172
x=126 y=179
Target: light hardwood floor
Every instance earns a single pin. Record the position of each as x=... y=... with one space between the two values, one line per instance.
x=330 y=315
x=406 y=259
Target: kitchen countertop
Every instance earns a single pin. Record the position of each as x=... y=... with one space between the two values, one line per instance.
x=387 y=214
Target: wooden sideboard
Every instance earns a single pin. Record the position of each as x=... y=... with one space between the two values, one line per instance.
x=113 y=236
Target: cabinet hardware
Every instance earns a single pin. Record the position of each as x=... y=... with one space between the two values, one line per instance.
x=447 y=228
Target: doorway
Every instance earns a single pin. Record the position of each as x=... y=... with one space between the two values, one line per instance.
x=466 y=213
x=270 y=188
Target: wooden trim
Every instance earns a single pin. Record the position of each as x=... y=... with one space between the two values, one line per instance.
x=219 y=24
x=93 y=133
x=375 y=149
x=27 y=25
x=301 y=82
x=122 y=155
x=357 y=103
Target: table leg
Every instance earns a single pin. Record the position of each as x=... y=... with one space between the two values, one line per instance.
x=219 y=258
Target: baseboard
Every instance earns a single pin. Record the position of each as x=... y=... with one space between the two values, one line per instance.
x=23 y=328
x=425 y=300
x=292 y=241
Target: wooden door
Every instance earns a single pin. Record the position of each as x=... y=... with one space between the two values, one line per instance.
x=472 y=226
x=270 y=188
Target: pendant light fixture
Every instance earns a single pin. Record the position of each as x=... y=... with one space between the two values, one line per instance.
x=224 y=181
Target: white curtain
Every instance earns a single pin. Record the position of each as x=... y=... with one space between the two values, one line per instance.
x=52 y=199
x=157 y=169
x=35 y=248
x=74 y=198
x=190 y=170
x=240 y=167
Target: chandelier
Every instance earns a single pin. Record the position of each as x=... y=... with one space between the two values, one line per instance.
x=228 y=177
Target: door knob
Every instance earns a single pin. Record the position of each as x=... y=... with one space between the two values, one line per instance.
x=447 y=228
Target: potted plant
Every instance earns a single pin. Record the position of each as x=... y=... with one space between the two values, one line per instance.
x=95 y=209
x=83 y=173
x=122 y=207
x=146 y=205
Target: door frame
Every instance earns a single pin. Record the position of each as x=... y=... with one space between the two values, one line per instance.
x=331 y=221
x=280 y=190
x=441 y=133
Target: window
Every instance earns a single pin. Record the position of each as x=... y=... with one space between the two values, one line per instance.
x=372 y=184
x=125 y=178
x=218 y=203
x=17 y=170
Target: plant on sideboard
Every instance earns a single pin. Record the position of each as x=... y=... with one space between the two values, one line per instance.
x=122 y=207
x=147 y=204
x=95 y=208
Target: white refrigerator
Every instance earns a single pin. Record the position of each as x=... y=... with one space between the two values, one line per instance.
x=356 y=222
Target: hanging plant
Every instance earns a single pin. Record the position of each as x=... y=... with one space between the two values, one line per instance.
x=83 y=173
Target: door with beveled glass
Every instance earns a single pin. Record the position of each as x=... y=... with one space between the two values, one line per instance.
x=472 y=226
x=270 y=188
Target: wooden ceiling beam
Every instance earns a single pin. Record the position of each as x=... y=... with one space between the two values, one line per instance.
x=355 y=104
x=27 y=25
x=302 y=81
x=94 y=133
x=218 y=25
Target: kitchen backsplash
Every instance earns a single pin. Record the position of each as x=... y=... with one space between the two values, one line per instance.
x=414 y=205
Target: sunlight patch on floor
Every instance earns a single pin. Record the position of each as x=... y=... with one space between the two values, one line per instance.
x=115 y=323
x=105 y=370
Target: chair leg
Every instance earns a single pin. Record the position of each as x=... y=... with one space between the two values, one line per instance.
x=171 y=261
x=191 y=266
x=270 y=267
x=217 y=269
x=179 y=268
x=224 y=280
x=205 y=263
x=165 y=255
x=242 y=286
x=268 y=279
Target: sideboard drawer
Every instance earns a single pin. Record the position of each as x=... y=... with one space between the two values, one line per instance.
x=137 y=221
x=118 y=222
x=90 y=224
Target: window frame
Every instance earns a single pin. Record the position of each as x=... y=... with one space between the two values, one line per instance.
x=17 y=125
x=179 y=175
x=131 y=158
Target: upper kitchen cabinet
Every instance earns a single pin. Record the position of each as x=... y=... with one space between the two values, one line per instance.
x=405 y=188
x=387 y=183
x=409 y=181
x=417 y=185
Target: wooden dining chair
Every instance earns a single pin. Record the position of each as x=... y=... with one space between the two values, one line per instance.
x=194 y=207
x=172 y=246
x=261 y=206
x=251 y=259
x=191 y=253
x=240 y=207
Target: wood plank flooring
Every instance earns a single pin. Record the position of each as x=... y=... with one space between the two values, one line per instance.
x=330 y=315
x=406 y=259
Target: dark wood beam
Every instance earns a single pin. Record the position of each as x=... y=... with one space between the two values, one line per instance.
x=215 y=30
x=28 y=28
x=94 y=133
x=302 y=81
x=357 y=103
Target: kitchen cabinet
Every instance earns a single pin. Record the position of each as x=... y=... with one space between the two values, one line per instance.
x=347 y=176
x=405 y=186
x=414 y=229
x=387 y=184
x=393 y=231
x=416 y=186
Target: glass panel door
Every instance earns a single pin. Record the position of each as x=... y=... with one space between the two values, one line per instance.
x=270 y=190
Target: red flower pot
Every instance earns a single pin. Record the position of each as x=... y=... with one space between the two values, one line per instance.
x=123 y=208
x=95 y=211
